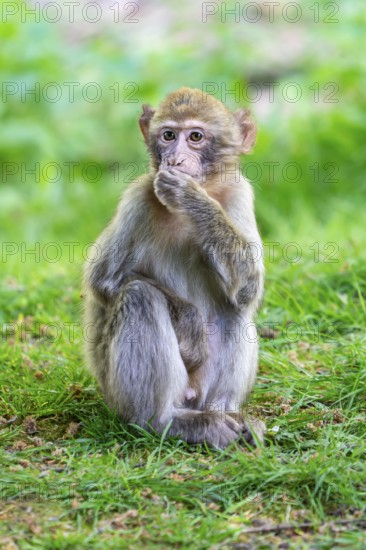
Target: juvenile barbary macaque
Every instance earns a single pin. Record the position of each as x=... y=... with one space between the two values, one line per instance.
x=178 y=277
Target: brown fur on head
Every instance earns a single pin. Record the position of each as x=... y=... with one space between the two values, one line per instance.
x=232 y=133
x=187 y=103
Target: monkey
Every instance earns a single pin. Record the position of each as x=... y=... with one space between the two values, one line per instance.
x=178 y=277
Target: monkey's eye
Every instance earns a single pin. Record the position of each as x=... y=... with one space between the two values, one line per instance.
x=195 y=136
x=168 y=135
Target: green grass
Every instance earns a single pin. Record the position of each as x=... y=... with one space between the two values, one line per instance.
x=74 y=477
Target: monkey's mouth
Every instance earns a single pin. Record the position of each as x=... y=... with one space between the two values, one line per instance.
x=189 y=168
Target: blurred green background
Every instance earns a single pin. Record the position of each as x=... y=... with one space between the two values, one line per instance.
x=300 y=70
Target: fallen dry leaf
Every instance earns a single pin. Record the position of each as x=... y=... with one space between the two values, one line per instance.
x=33 y=526
x=8 y=544
x=311 y=427
x=19 y=445
x=73 y=429
x=30 y=425
x=338 y=416
x=5 y=422
x=58 y=452
x=176 y=477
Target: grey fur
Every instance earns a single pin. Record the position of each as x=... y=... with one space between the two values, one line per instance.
x=170 y=296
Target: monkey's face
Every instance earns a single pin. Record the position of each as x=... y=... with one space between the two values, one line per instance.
x=195 y=133
x=184 y=146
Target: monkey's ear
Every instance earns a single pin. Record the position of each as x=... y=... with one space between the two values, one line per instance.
x=147 y=114
x=247 y=128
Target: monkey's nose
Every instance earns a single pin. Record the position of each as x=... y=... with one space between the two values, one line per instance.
x=175 y=162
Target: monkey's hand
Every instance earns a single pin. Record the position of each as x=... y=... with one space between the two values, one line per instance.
x=176 y=190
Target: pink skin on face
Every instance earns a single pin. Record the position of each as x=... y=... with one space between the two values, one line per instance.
x=181 y=152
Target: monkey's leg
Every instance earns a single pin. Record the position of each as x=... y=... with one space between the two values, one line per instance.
x=187 y=322
x=147 y=376
x=230 y=375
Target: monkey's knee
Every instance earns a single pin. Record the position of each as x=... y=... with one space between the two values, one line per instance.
x=135 y=315
x=140 y=295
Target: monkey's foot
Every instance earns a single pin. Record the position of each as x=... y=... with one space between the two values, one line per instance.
x=253 y=431
x=208 y=427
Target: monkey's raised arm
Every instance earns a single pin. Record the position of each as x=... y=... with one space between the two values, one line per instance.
x=232 y=247
x=234 y=256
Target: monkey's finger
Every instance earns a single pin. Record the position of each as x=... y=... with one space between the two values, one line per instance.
x=253 y=432
x=174 y=177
